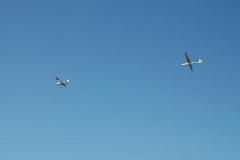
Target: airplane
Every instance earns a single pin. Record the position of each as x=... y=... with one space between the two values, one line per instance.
x=59 y=82
x=189 y=63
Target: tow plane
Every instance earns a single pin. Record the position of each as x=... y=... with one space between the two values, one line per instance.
x=189 y=63
x=62 y=83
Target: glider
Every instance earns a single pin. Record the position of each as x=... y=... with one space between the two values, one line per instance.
x=189 y=63
x=62 y=83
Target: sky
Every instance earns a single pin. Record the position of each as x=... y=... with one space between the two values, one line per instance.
x=128 y=97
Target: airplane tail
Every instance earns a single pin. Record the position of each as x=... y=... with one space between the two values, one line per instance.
x=67 y=81
x=200 y=60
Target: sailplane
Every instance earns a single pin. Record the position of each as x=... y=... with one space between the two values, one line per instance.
x=189 y=63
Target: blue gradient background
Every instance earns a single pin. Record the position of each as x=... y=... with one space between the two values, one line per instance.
x=128 y=97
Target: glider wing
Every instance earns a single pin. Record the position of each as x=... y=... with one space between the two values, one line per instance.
x=188 y=60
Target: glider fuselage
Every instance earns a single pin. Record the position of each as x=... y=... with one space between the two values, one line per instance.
x=186 y=64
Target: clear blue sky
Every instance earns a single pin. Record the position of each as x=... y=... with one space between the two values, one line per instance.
x=129 y=98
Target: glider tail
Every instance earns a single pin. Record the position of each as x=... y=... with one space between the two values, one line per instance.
x=200 y=60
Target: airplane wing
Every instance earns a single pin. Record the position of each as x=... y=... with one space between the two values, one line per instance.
x=188 y=60
x=64 y=84
x=190 y=66
x=57 y=78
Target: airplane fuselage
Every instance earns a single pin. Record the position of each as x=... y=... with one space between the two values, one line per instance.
x=61 y=84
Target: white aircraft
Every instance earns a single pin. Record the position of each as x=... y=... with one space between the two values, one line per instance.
x=59 y=82
x=189 y=63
